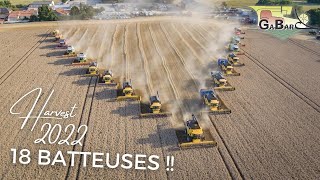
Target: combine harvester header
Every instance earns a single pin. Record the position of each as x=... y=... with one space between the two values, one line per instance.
x=193 y=136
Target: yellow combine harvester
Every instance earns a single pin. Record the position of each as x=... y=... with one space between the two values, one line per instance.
x=234 y=60
x=227 y=68
x=70 y=52
x=154 y=109
x=107 y=78
x=92 y=70
x=57 y=37
x=194 y=136
x=220 y=82
x=213 y=103
x=55 y=32
x=81 y=60
x=127 y=93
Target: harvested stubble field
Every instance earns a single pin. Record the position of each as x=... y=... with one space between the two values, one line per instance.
x=271 y=133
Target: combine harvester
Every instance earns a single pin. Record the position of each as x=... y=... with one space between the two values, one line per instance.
x=234 y=48
x=227 y=68
x=56 y=34
x=213 y=103
x=193 y=136
x=234 y=60
x=57 y=37
x=220 y=82
x=70 y=52
x=236 y=39
x=107 y=79
x=127 y=93
x=92 y=70
x=62 y=44
x=81 y=60
x=238 y=31
x=154 y=108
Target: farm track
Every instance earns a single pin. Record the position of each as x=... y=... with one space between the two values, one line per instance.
x=46 y=77
x=292 y=69
x=87 y=105
x=271 y=132
x=304 y=47
x=263 y=128
x=295 y=91
x=17 y=64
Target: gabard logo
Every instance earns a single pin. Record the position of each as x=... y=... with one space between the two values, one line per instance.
x=279 y=18
x=267 y=21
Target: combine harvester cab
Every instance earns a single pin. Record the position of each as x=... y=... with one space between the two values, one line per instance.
x=220 y=82
x=62 y=44
x=154 y=108
x=193 y=136
x=227 y=68
x=236 y=41
x=234 y=60
x=213 y=102
x=107 y=79
x=81 y=60
x=92 y=70
x=70 y=52
x=55 y=32
x=234 y=48
x=57 y=37
x=127 y=92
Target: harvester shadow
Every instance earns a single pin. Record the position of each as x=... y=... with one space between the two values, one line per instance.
x=50 y=46
x=55 y=53
x=318 y=60
x=127 y=110
x=61 y=62
x=48 y=40
x=156 y=139
x=105 y=93
x=42 y=35
x=74 y=71
x=82 y=82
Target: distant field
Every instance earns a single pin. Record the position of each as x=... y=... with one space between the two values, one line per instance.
x=26 y=2
x=241 y=3
x=237 y=3
x=308 y=7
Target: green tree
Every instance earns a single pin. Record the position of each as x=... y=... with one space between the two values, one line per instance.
x=274 y=2
x=34 y=18
x=314 y=15
x=313 y=1
x=6 y=4
x=46 y=14
x=264 y=2
x=74 y=11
